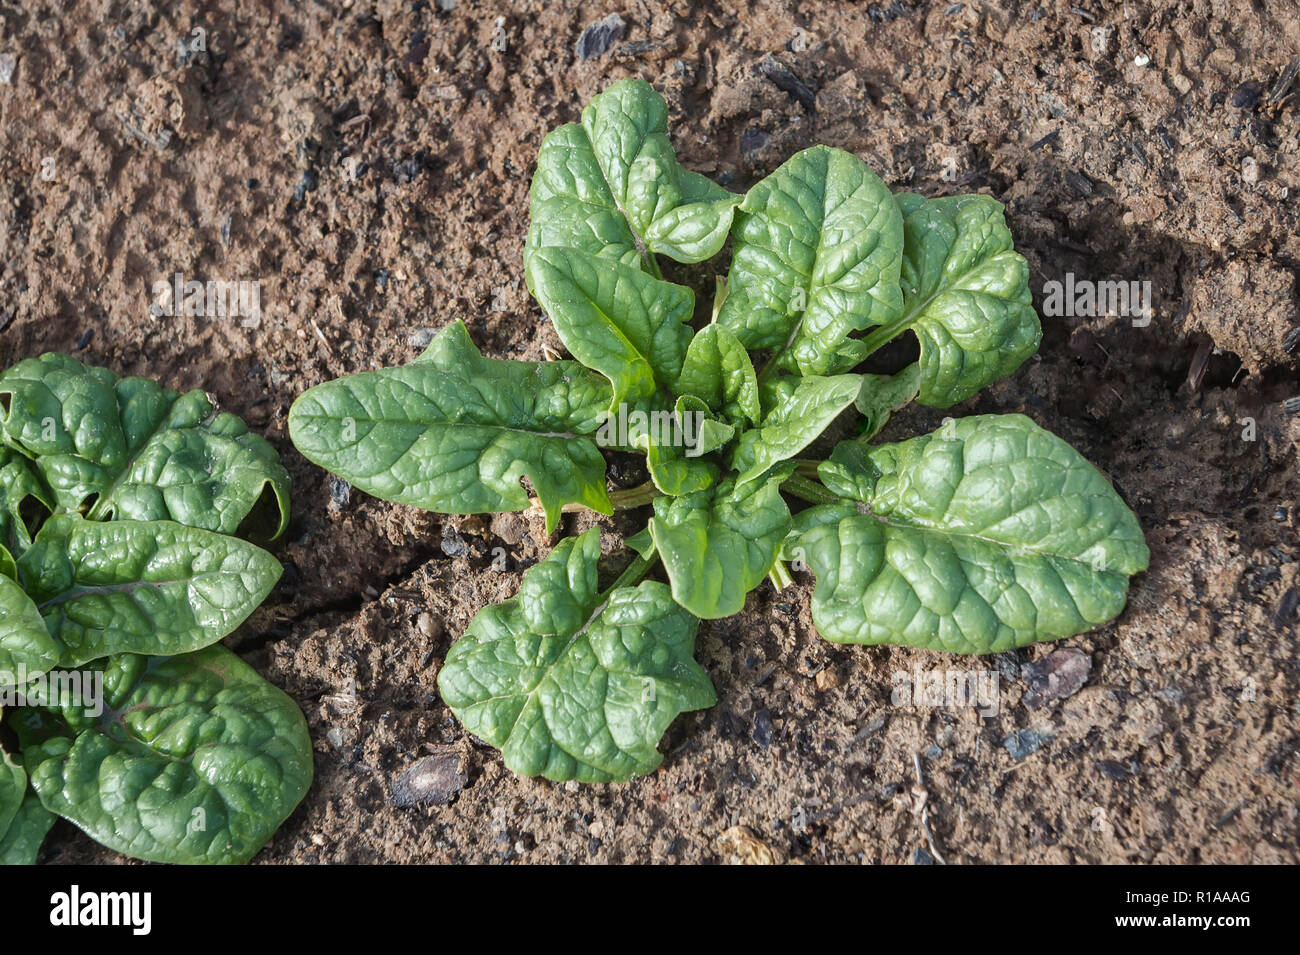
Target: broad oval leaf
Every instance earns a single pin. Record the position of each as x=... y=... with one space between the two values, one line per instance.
x=454 y=432
x=26 y=648
x=717 y=546
x=612 y=187
x=718 y=371
x=813 y=403
x=195 y=759
x=153 y=587
x=21 y=844
x=616 y=319
x=986 y=535
x=572 y=684
x=130 y=449
x=818 y=249
x=966 y=295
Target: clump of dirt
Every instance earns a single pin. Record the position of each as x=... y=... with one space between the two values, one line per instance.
x=369 y=166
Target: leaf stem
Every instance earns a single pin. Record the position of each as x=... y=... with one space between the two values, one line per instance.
x=632 y=574
x=809 y=491
x=621 y=499
x=653 y=264
x=806 y=467
x=634 y=496
x=780 y=575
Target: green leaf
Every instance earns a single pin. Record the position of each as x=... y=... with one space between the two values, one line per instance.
x=966 y=293
x=572 y=684
x=21 y=844
x=454 y=432
x=195 y=759
x=612 y=186
x=849 y=472
x=13 y=783
x=718 y=546
x=23 y=500
x=818 y=248
x=26 y=648
x=675 y=442
x=792 y=425
x=718 y=371
x=882 y=395
x=677 y=467
x=641 y=543
x=140 y=586
x=615 y=319
x=129 y=449
x=986 y=535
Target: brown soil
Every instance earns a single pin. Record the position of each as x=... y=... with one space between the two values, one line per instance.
x=370 y=166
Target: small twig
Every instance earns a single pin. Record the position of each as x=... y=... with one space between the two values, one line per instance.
x=922 y=795
x=323 y=340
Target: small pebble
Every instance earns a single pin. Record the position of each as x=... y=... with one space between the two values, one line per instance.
x=600 y=36
x=340 y=495
x=306 y=183
x=1246 y=95
x=430 y=781
x=1023 y=742
x=1059 y=674
x=1113 y=770
x=763 y=728
x=8 y=63
x=421 y=337
x=1141 y=60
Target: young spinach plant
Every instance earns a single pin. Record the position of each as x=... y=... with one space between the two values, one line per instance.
x=988 y=534
x=120 y=569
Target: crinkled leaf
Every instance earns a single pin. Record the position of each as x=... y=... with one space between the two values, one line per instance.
x=966 y=295
x=849 y=472
x=627 y=325
x=572 y=684
x=718 y=546
x=813 y=403
x=23 y=500
x=718 y=371
x=988 y=534
x=454 y=432
x=882 y=395
x=612 y=185
x=26 y=648
x=195 y=759
x=21 y=844
x=131 y=449
x=141 y=586
x=818 y=247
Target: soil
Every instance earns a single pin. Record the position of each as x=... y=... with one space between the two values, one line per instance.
x=368 y=163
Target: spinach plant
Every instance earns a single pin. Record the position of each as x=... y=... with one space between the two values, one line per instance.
x=120 y=569
x=988 y=534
